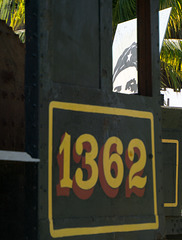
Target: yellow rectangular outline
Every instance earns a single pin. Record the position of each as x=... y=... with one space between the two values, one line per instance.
x=78 y=231
x=175 y=204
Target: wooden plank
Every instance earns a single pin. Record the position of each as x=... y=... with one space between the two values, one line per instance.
x=144 y=48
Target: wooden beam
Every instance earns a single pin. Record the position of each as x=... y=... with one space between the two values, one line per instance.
x=144 y=48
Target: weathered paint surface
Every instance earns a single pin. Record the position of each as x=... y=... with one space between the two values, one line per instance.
x=83 y=173
x=80 y=126
x=172 y=178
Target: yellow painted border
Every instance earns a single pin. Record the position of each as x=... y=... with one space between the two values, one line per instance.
x=65 y=232
x=175 y=204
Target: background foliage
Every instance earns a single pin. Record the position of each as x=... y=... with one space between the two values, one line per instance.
x=171 y=54
x=13 y=12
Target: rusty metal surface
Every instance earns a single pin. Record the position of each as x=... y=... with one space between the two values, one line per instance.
x=12 y=63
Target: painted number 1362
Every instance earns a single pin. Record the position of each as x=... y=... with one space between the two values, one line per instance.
x=109 y=169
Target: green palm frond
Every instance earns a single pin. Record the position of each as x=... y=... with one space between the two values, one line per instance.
x=174 y=29
x=171 y=64
x=171 y=54
x=13 y=12
x=127 y=9
x=18 y=14
x=21 y=34
x=123 y=10
x=5 y=9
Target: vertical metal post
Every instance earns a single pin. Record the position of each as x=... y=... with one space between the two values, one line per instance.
x=31 y=79
x=148 y=47
x=31 y=112
x=144 y=48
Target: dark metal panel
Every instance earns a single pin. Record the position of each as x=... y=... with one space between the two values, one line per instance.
x=172 y=179
x=68 y=94
x=176 y=237
x=31 y=79
x=18 y=200
x=171 y=118
x=12 y=200
x=31 y=203
x=76 y=46
x=105 y=45
x=32 y=119
x=170 y=162
x=85 y=78
x=174 y=227
x=81 y=92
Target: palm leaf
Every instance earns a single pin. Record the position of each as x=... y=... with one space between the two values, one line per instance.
x=171 y=64
x=175 y=21
x=18 y=15
x=123 y=10
x=171 y=54
x=5 y=9
x=13 y=12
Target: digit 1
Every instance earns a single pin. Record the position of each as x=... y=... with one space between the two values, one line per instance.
x=63 y=158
